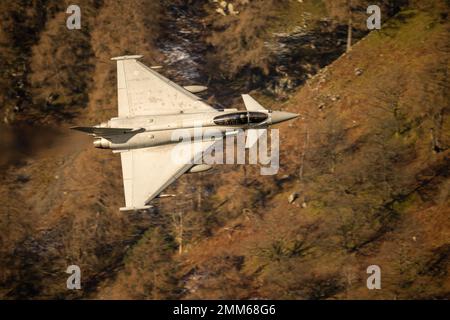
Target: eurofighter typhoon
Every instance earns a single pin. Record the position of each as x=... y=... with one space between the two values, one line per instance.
x=151 y=108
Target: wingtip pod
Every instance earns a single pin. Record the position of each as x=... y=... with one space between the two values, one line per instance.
x=131 y=57
x=134 y=209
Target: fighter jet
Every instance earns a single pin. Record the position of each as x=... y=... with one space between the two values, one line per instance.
x=151 y=107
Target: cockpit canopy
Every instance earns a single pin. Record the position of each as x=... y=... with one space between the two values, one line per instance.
x=240 y=118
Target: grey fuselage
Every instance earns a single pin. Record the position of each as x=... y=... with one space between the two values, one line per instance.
x=158 y=130
x=155 y=130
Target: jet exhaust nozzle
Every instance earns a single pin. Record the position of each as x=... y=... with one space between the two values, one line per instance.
x=102 y=143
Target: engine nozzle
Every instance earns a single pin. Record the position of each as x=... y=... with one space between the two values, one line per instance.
x=102 y=143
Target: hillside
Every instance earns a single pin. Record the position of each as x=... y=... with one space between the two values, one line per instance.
x=368 y=160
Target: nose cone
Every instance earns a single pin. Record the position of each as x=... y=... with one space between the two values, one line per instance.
x=281 y=116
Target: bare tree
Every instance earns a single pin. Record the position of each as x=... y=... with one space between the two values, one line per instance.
x=177 y=219
x=350 y=25
x=305 y=149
